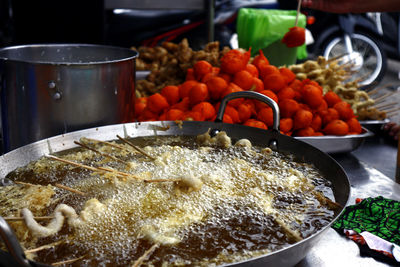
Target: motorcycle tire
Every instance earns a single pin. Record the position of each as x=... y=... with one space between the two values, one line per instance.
x=370 y=67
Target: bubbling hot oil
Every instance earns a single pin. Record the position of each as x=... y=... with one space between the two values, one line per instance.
x=244 y=209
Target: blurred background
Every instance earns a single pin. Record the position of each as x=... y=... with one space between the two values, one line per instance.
x=375 y=38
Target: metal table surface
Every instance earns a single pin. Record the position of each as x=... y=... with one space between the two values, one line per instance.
x=371 y=169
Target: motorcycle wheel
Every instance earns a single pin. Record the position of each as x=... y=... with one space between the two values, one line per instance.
x=368 y=56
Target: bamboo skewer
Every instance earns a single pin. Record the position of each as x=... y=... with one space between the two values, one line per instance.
x=391 y=110
x=337 y=57
x=51 y=245
x=73 y=163
x=105 y=143
x=135 y=147
x=56 y=185
x=124 y=174
x=359 y=79
x=383 y=105
x=38 y=218
x=101 y=153
x=298 y=12
x=381 y=98
x=70 y=189
x=162 y=180
x=375 y=90
x=147 y=253
x=67 y=261
x=98 y=169
x=346 y=65
x=390 y=115
x=24 y=183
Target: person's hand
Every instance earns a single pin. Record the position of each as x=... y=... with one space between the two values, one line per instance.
x=392 y=129
x=353 y=6
x=339 y=6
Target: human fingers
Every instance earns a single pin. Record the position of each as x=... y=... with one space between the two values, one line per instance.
x=341 y=6
x=395 y=131
x=313 y=4
x=388 y=126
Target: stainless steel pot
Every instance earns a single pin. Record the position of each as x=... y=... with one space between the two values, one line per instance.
x=288 y=256
x=50 y=89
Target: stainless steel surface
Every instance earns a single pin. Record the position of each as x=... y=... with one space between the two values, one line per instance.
x=337 y=144
x=253 y=95
x=57 y=88
x=336 y=250
x=284 y=257
x=378 y=152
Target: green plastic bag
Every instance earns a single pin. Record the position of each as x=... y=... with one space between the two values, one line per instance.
x=264 y=29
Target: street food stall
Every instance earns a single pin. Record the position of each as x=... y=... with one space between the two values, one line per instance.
x=168 y=155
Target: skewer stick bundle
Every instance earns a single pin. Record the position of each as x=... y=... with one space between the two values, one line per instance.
x=361 y=78
x=99 y=152
x=391 y=110
x=383 y=97
x=103 y=142
x=98 y=169
x=377 y=89
x=383 y=105
x=135 y=147
x=336 y=58
x=390 y=115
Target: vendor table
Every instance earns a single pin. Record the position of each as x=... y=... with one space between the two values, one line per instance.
x=371 y=171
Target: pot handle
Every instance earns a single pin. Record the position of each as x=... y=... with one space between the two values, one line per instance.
x=12 y=244
x=254 y=95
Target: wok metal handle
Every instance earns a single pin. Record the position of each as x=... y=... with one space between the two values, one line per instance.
x=253 y=95
x=12 y=244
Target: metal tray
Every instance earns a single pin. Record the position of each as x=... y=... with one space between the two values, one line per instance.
x=374 y=125
x=337 y=144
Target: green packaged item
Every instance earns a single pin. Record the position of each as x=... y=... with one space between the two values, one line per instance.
x=264 y=29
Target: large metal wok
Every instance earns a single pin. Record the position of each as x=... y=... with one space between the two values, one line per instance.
x=288 y=256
